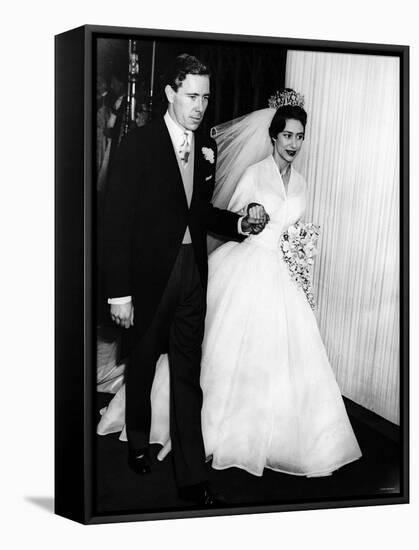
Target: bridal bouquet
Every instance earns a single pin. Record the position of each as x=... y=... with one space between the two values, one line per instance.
x=299 y=245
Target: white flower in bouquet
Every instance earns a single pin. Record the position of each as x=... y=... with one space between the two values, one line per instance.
x=293 y=230
x=299 y=245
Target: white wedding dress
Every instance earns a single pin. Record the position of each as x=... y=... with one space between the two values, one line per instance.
x=270 y=396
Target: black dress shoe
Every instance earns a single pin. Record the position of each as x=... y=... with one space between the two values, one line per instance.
x=139 y=461
x=202 y=495
x=210 y=499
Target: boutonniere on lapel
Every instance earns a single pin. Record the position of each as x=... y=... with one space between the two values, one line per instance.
x=208 y=154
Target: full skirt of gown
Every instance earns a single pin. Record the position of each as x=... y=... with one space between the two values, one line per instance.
x=270 y=396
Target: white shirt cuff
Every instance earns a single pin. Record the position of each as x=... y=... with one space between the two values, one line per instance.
x=239 y=227
x=120 y=301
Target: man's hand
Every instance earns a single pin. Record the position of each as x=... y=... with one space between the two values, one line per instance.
x=165 y=451
x=123 y=314
x=255 y=220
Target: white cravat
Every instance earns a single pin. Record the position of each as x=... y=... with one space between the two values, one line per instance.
x=181 y=143
x=185 y=148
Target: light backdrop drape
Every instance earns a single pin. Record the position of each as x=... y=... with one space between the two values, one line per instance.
x=351 y=161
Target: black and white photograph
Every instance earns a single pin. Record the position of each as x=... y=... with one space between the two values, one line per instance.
x=246 y=199
x=209 y=264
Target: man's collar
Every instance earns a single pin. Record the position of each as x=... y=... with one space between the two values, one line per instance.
x=175 y=130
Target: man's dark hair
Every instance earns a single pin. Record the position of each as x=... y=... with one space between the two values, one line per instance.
x=183 y=65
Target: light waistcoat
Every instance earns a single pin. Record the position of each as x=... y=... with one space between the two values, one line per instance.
x=186 y=171
x=186 y=168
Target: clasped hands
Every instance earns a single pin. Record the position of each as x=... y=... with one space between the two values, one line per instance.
x=255 y=220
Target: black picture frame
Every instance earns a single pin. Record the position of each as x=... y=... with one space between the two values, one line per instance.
x=75 y=351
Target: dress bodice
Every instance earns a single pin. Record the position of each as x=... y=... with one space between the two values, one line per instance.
x=262 y=183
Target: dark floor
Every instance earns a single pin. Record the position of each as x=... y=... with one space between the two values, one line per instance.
x=118 y=489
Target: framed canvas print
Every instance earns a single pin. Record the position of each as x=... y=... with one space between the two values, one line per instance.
x=231 y=274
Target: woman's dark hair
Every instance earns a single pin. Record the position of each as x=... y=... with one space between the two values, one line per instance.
x=183 y=65
x=283 y=114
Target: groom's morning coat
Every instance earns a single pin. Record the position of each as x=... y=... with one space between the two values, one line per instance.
x=146 y=216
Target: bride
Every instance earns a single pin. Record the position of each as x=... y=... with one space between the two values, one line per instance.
x=270 y=398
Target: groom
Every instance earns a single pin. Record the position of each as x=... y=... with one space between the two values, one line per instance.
x=157 y=215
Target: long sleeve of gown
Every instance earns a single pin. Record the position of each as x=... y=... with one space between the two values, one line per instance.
x=243 y=194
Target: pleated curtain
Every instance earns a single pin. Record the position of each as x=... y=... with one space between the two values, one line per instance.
x=350 y=159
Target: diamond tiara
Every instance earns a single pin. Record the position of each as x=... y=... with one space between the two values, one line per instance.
x=286 y=97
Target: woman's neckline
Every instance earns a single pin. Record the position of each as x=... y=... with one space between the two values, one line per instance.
x=288 y=172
